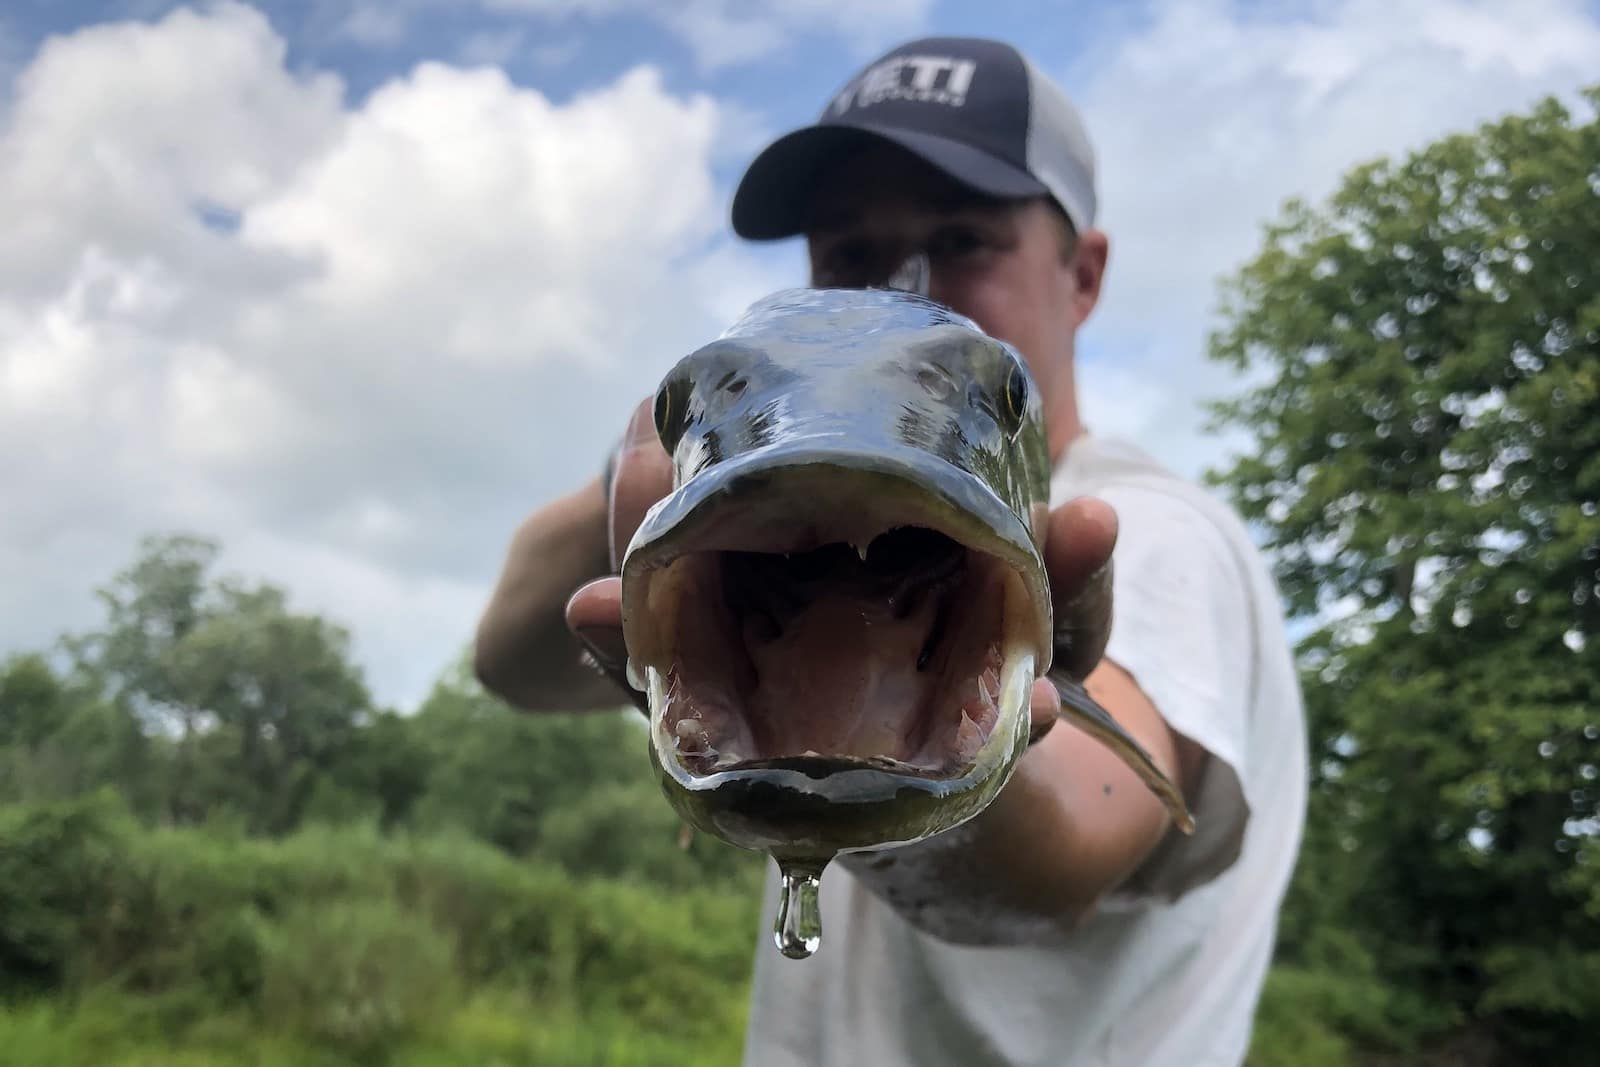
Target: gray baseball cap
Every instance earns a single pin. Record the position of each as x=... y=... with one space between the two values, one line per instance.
x=976 y=109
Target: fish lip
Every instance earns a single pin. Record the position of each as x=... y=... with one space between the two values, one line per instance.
x=957 y=503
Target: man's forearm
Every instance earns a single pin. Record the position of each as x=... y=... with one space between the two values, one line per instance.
x=1072 y=824
x=524 y=652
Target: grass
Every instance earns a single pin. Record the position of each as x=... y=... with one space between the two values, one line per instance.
x=494 y=1028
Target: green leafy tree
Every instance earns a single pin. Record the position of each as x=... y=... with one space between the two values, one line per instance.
x=498 y=772
x=574 y=790
x=257 y=702
x=383 y=772
x=283 y=695
x=59 y=738
x=1426 y=475
x=151 y=606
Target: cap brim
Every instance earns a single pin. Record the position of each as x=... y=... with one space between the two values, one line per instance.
x=774 y=197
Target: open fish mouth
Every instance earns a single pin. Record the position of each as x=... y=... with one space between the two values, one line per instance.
x=881 y=630
x=891 y=653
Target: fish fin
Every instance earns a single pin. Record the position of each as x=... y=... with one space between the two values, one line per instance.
x=685 y=836
x=1082 y=710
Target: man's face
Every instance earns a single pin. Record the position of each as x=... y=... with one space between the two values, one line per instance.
x=1002 y=264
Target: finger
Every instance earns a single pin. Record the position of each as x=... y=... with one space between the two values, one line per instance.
x=642 y=476
x=1079 y=540
x=1044 y=709
x=596 y=608
x=594 y=615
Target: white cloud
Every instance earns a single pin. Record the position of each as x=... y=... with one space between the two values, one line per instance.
x=354 y=342
x=1212 y=114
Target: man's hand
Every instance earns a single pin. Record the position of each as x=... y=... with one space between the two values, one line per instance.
x=641 y=474
x=525 y=650
x=1078 y=539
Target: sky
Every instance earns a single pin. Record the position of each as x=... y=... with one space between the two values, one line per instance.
x=352 y=287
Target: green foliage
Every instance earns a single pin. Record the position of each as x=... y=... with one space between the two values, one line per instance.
x=358 y=943
x=499 y=1027
x=626 y=829
x=282 y=691
x=59 y=738
x=499 y=773
x=1426 y=476
x=249 y=704
x=1432 y=334
x=356 y=975
x=31 y=701
x=1294 y=1026
x=273 y=871
x=56 y=866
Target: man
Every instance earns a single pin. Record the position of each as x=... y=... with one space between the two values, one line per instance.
x=1069 y=923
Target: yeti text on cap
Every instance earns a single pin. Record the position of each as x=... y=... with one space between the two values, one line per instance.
x=927 y=79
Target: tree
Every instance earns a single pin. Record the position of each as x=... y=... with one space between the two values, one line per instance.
x=572 y=789
x=285 y=699
x=1425 y=473
x=59 y=737
x=151 y=606
x=262 y=702
x=498 y=772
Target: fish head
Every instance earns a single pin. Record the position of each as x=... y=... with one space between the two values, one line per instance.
x=839 y=611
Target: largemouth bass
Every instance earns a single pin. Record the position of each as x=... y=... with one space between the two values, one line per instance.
x=838 y=613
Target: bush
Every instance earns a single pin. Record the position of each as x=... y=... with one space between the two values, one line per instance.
x=627 y=830
x=354 y=943
x=56 y=864
x=359 y=975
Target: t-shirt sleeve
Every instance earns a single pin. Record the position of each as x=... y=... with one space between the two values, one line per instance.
x=1182 y=628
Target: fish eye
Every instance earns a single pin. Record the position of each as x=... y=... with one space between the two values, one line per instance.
x=672 y=412
x=1016 y=397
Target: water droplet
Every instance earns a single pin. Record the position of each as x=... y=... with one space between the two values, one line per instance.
x=798 y=931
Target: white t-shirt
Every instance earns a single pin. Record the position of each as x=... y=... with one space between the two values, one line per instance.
x=1169 y=969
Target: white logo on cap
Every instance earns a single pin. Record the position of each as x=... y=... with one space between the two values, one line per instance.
x=926 y=79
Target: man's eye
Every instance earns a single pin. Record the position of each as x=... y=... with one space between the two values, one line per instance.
x=954 y=243
x=848 y=264
x=850 y=254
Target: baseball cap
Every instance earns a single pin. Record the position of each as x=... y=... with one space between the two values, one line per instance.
x=974 y=108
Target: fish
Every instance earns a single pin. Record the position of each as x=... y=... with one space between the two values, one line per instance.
x=836 y=616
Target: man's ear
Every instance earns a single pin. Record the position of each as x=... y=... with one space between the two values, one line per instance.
x=1088 y=267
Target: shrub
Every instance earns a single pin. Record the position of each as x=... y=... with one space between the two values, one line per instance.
x=359 y=975
x=57 y=862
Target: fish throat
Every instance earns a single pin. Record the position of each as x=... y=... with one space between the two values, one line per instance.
x=888 y=654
